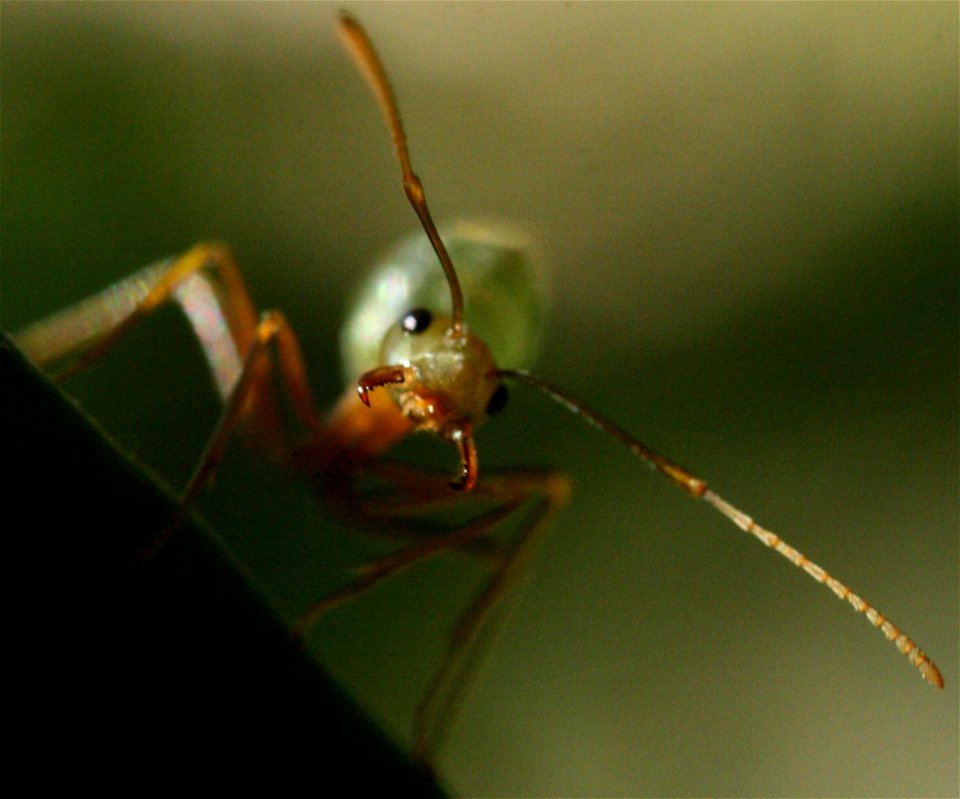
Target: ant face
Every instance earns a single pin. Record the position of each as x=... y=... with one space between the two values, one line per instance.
x=452 y=377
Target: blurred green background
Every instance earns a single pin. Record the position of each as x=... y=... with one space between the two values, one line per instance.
x=750 y=214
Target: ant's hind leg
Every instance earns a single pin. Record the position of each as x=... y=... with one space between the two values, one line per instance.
x=549 y=490
x=537 y=493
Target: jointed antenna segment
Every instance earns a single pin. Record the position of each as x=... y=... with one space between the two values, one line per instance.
x=698 y=488
x=917 y=657
x=358 y=44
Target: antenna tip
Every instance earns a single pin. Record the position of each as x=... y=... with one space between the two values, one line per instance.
x=931 y=674
x=348 y=26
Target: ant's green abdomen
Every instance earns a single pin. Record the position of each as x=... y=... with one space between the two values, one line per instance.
x=503 y=287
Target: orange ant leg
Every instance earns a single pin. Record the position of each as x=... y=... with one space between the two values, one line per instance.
x=375 y=571
x=550 y=490
x=416 y=493
x=207 y=285
x=274 y=329
x=84 y=332
x=407 y=511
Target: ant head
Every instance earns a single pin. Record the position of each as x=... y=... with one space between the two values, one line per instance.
x=443 y=379
x=450 y=380
x=446 y=382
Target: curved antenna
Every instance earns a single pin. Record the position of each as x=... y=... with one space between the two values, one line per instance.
x=697 y=488
x=358 y=44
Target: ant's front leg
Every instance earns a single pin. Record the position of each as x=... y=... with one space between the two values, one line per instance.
x=237 y=344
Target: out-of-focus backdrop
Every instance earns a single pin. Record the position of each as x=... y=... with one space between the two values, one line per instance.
x=750 y=216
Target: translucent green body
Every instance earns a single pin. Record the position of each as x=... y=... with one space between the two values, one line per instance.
x=503 y=287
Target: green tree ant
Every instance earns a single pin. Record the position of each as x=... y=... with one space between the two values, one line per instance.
x=242 y=380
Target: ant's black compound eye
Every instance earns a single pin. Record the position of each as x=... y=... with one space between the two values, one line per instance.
x=497 y=400
x=417 y=320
